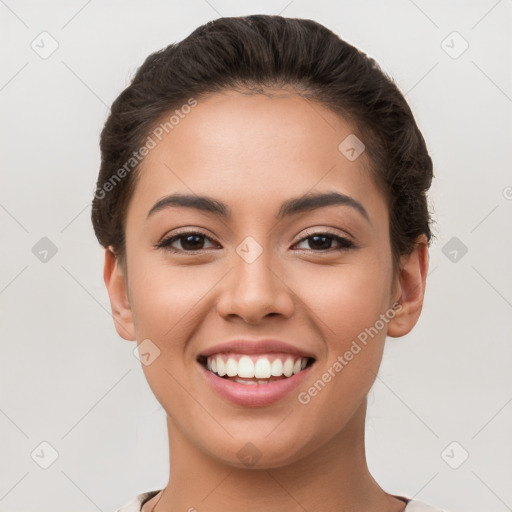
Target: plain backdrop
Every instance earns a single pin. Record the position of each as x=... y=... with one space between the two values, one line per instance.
x=74 y=397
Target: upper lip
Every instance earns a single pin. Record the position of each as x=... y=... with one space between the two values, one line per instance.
x=261 y=346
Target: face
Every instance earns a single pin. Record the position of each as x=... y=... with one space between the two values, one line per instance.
x=315 y=278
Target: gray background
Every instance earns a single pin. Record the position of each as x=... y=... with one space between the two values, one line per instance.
x=70 y=381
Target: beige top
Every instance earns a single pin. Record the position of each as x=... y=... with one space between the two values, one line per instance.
x=136 y=503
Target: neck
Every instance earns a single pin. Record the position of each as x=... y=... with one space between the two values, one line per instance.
x=335 y=477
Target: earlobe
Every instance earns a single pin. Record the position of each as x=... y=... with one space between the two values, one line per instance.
x=115 y=282
x=412 y=281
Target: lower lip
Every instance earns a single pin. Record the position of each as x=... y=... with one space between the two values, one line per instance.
x=253 y=395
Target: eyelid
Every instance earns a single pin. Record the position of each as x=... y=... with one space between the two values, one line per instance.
x=326 y=231
x=346 y=243
x=186 y=231
x=166 y=240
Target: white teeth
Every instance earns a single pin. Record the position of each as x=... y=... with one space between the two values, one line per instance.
x=240 y=381
x=221 y=367
x=288 y=367
x=277 y=368
x=231 y=367
x=246 y=367
x=260 y=368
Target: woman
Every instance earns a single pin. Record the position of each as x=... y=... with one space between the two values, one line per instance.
x=262 y=205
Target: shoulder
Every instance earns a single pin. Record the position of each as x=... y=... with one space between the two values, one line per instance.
x=419 y=506
x=135 y=504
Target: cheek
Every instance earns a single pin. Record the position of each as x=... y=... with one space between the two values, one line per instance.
x=169 y=304
x=346 y=299
x=347 y=303
x=166 y=302
x=165 y=299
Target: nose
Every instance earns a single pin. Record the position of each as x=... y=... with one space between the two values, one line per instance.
x=255 y=290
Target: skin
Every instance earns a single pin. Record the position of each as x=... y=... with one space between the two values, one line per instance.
x=253 y=152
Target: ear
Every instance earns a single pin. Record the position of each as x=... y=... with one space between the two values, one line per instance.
x=117 y=288
x=411 y=289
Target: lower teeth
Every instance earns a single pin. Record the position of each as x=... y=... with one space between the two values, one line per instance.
x=241 y=380
x=245 y=381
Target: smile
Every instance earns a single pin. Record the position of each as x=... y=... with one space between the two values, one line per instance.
x=254 y=380
x=254 y=369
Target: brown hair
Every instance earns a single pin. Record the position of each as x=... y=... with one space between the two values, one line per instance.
x=261 y=52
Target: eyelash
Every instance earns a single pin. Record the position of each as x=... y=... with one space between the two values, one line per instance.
x=345 y=243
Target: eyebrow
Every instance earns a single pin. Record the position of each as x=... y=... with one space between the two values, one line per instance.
x=290 y=207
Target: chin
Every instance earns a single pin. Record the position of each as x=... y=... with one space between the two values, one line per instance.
x=260 y=451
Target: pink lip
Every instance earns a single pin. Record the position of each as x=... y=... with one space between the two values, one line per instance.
x=264 y=346
x=253 y=395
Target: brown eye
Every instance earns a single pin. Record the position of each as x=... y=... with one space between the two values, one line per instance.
x=322 y=242
x=190 y=242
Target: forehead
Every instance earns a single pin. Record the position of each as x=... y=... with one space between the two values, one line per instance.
x=247 y=149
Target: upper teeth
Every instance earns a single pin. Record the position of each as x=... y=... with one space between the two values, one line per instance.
x=258 y=367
